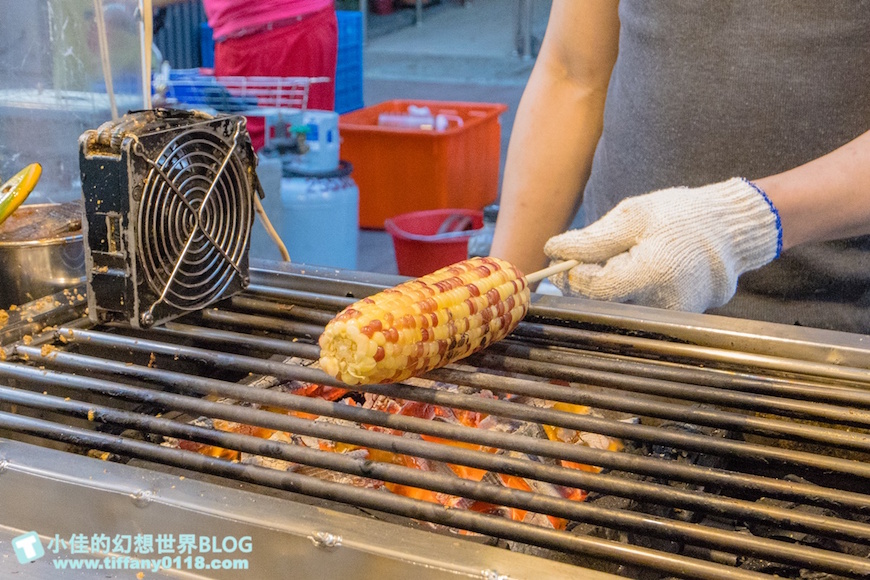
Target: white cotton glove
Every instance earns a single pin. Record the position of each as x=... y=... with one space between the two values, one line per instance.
x=681 y=248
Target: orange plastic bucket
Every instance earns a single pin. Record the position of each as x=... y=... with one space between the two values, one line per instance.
x=428 y=240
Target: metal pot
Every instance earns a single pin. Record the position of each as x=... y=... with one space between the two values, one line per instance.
x=33 y=268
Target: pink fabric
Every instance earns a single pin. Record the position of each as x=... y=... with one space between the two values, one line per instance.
x=228 y=16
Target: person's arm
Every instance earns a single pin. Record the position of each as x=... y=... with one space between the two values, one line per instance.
x=825 y=199
x=556 y=129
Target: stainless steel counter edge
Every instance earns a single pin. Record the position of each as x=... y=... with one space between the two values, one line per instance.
x=57 y=494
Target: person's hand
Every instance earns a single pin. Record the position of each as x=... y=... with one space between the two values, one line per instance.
x=680 y=248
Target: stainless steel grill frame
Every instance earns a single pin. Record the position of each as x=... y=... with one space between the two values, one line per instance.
x=750 y=457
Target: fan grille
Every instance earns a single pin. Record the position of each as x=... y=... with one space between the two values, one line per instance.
x=193 y=220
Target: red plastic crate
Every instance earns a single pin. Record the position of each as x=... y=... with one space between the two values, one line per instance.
x=400 y=170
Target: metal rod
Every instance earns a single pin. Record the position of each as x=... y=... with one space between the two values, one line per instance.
x=524 y=27
x=365 y=498
x=281 y=309
x=746 y=451
x=836 y=499
x=716 y=419
x=635 y=366
x=520 y=359
x=250 y=321
x=578 y=372
x=833 y=349
x=260 y=343
x=653 y=408
x=498 y=495
x=661 y=495
x=313 y=299
x=711 y=377
x=319 y=280
x=637 y=345
x=652 y=369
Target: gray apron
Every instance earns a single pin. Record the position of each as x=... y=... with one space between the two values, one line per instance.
x=707 y=90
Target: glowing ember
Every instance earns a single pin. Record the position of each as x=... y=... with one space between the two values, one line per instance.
x=429 y=412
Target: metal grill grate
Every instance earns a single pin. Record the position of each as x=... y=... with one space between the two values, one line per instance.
x=738 y=463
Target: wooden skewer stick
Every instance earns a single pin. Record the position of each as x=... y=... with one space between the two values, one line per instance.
x=549 y=271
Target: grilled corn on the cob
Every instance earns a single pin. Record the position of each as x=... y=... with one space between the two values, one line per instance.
x=425 y=323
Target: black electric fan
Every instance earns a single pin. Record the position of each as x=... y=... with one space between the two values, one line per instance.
x=169 y=205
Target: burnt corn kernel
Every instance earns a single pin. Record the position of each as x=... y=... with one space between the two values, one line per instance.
x=425 y=323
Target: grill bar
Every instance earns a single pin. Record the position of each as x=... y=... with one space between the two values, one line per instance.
x=768 y=487
x=668 y=371
x=649 y=406
x=590 y=360
x=682 y=382
x=850 y=531
x=675 y=530
x=648 y=346
x=311 y=299
x=306 y=314
x=258 y=322
x=572 y=371
x=365 y=498
x=254 y=322
x=599 y=340
x=746 y=451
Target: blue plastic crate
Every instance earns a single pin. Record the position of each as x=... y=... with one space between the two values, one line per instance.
x=349 y=67
x=206 y=45
x=349 y=28
x=184 y=85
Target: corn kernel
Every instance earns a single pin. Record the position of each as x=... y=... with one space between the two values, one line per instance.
x=425 y=323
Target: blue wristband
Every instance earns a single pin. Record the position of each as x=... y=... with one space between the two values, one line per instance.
x=775 y=214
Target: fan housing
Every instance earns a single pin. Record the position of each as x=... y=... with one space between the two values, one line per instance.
x=169 y=204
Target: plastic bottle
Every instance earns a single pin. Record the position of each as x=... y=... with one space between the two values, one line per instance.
x=480 y=243
x=409 y=121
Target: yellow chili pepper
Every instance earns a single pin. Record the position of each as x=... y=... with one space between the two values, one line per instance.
x=16 y=190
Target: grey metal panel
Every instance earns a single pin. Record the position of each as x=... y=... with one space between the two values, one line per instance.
x=53 y=492
x=178 y=40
